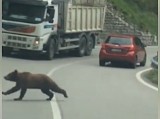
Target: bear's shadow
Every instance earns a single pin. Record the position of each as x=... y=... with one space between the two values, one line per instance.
x=32 y=100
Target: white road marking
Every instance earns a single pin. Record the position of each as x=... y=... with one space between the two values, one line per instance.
x=138 y=75
x=55 y=108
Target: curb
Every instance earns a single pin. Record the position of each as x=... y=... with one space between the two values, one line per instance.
x=145 y=81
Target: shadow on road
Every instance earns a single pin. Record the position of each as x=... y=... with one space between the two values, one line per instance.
x=32 y=100
x=119 y=65
x=41 y=57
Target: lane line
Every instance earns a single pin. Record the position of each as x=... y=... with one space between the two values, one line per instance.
x=56 y=114
x=138 y=75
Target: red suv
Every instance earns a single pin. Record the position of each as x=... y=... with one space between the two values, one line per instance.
x=123 y=48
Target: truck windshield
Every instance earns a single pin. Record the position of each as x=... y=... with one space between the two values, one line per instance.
x=22 y=12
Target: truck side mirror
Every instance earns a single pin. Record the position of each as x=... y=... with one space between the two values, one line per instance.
x=51 y=13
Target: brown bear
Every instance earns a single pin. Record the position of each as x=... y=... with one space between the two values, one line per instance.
x=27 y=80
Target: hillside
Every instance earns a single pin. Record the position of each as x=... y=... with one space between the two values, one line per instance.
x=142 y=13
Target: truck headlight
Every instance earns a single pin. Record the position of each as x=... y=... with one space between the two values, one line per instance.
x=36 y=41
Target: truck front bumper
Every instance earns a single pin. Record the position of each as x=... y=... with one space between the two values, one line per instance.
x=21 y=42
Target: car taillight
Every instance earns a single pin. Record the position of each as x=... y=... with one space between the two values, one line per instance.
x=131 y=48
x=103 y=46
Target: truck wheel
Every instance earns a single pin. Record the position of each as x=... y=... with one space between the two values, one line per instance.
x=50 y=50
x=89 y=46
x=82 y=46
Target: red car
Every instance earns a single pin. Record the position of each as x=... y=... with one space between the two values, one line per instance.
x=123 y=48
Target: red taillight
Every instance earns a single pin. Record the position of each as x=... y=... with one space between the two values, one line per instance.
x=131 y=48
x=103 y=46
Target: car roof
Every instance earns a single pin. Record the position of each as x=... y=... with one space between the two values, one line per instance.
x=122 y=35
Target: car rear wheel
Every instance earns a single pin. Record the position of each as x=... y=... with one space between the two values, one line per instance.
x=101 y=62
x=134 y=65
x=143 y=63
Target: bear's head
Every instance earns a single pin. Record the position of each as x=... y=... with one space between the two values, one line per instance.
x=12 y=76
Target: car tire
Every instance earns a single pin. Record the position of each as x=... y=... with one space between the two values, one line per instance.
x=134 y=65
x=101 y=63
x=143 y=63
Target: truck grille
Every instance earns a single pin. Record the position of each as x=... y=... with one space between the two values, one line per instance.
x=17 y=42
x=18 y=45
x=17 y=38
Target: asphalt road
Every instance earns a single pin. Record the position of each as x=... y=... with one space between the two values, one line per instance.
x=95 y=92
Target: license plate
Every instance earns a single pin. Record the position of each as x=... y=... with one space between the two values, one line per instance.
x=116 y=50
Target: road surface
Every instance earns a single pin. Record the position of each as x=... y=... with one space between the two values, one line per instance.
x=95 y=92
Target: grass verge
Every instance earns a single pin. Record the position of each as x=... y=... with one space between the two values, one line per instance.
x=152 y=75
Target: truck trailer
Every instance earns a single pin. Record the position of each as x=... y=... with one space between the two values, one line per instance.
x=51 y=26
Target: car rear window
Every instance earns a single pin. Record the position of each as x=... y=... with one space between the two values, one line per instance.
x=119 y=41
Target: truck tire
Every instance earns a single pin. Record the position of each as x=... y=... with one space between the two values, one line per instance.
x=50 y=50
x=89 y=46
x=82 y=46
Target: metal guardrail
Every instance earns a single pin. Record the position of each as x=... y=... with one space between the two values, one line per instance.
x=154 y=62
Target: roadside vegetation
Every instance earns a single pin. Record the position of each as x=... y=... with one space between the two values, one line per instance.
x=142 y=13
x=152 y=75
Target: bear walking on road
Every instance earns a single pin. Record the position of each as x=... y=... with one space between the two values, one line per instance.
x=27 y=80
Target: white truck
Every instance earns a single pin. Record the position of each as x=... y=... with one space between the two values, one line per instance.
x=51 y=26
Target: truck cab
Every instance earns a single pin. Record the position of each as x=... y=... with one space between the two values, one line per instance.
x=27 y=24
x=50 y=26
